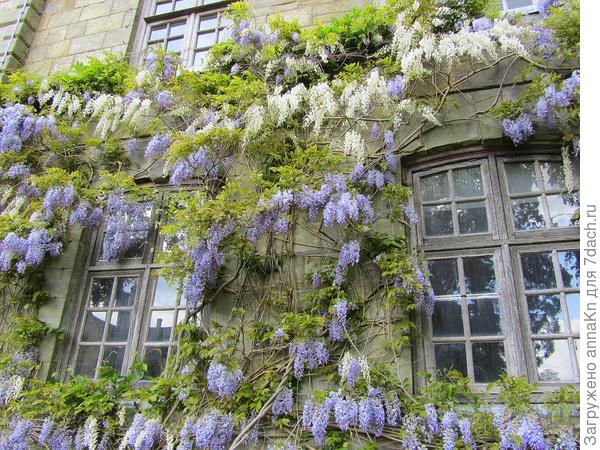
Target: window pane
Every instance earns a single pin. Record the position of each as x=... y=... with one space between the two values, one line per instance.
x=93 y=327
x=158 y=33
x=181 y=4
x=86 y=361
x=135 y=250
x=435 y=187
x=224 y=34
x=569 y=267
x=538 y=271
x=472 y=217
x=208 y=23
x=177 y=29
x=206 y=39
x=199 y=57
x=447 y=319
x=479 y=275
x=467 y=182
x=126 y=288
x=443 y=276
x=176 y=45
x=512 y=4
x=554 y=360
x=545 y=314
x=521 y=177
x=562 y=207
x=451 y=357
x=576 y=343
x=118 y=328
x=156 y=359
x=160 y=326
x=438 y=220
x=553 y=175
x=113 y=357
x=484 y=317
x=164 y=295
x=573 y=306
x=162 y=8
x=528 y=213
x=101 y=290
x=489 y=361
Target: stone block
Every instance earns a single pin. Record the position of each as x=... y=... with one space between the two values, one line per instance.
x=37 y=54
x=96 y=10
x=85 y=43
x=56 y=35
x=64 y=18
x=117 y=37
x=125 y=5
x=302 y=15
x=76 y=29
x=58 y=49
x=107 y=23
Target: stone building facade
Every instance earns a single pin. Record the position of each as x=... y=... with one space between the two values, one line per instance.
x=44 y=36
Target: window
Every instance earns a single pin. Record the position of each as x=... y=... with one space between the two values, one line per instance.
x=186 y=27
x=524 y=6
x=501 y=251
x=127 y=311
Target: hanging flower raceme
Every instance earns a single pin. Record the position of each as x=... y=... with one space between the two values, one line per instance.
x=272 y=215
x=222 y=381
x=351 y=368
x=519 y=129
x=309 y=355
x=127 y=224
x=283 y=403
x=20 y=253
x=142 y=434
x=349 y=256
x=213 y=431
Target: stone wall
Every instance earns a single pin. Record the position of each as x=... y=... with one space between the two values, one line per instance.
x=73 y=29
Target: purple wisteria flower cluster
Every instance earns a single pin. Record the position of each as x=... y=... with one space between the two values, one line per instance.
x=554 y=99
x=416 y=284
x=158 y=145
x=20 y=253
x=17 y=127
x=86 y=215
x=283 y=403
x=58 y=198
x=308 y=354
x=349 y=256
x=127 y=224
x=339 y=320
x=142 y=434
x=212 y=431
x=375 y=178
x=519 y=129
x=207 y=259
x=272 y=216
x=222 y=381
x=369 y=414
x=200 y=163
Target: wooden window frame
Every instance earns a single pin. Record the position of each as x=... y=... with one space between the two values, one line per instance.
x=191 y=15
x=502 y=240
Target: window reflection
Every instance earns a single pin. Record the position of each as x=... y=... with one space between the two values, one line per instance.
x=554 y=360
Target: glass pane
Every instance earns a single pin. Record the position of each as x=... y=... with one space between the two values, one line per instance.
x=225 y=22
x=156 y=359
x=176 y=45
x=164 y=295
x=162 y=8
x=553 y=175
x=521 y=177
x=208 y=23
x=545 y=314
x=206 y=39
x=135 y=250
x=158 y=33
x=468 y=182
x=528 y=213
x=181 y=4
x=573 y=306
x=489 y=361
x=435 y=187
x=86 y=361
x=554 y=360
x=444 y=276
x=199 y=57
x=93 y=327
x=538 y=270
x=569 y=267
x=472 y=217
x=177 y=29
x=438 y=220
x=118 y=328
x=576 y=343
x=101 y=290
x=562 y=207
x=224 y=34
x=126 y=288
x=447 y=319
x=113 y=357
x=479 y=275
x=484 y=317
x=451 y=357
x=160 y=326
